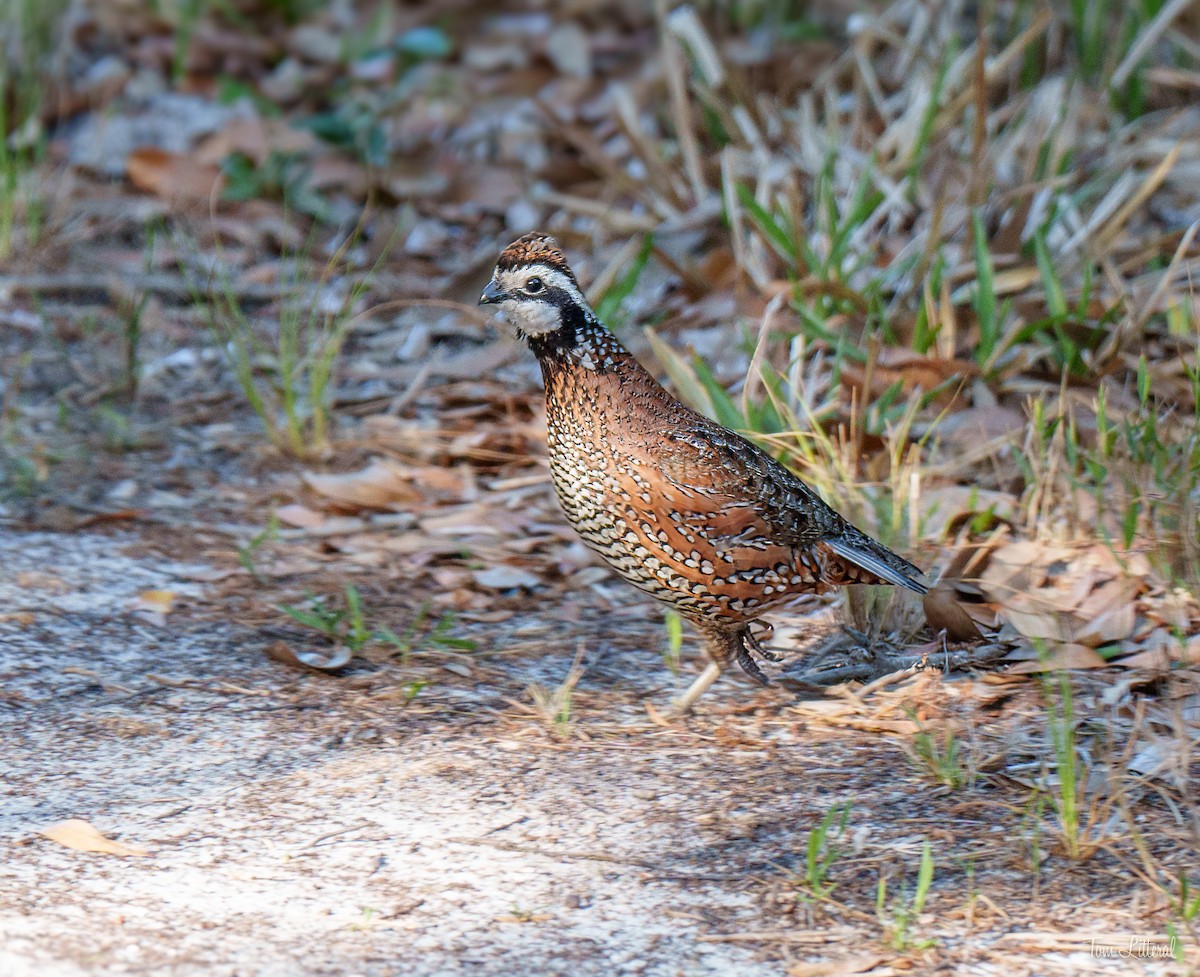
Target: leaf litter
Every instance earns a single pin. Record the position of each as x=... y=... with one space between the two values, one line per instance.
x=437 y=503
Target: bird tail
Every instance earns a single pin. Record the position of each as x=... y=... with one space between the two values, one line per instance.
x=877 y=559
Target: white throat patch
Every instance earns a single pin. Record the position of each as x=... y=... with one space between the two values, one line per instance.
x=531 y=318
x=527 y=312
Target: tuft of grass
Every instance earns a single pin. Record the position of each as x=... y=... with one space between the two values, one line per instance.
x=940 y=756
x=1067 y=799
x=347 y=626
x=281 y=176
x=1146 y=465
x=343 y=626
x=824 y=848
x=421 y=634
x=986 y=309
x=1141 y=467
x=413 y=689
x=1185 y=908
x=29 y=34
x=898 y=915
x=1105 y=35
x=1080 y=817
x=881 y=254
x=286 y=371
x=553 y=706
x=673 y=624
x=1032 y=824
x=609 y=307
x=24 y=465
x=248 y=550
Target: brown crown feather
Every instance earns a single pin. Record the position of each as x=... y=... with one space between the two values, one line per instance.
x=534 y=248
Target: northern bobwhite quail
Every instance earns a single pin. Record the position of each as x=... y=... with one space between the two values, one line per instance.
x=678 y=505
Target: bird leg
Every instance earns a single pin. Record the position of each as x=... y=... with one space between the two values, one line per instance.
x=683 y=705
x=723 y=647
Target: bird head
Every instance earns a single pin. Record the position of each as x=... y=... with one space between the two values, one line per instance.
x=535 y=288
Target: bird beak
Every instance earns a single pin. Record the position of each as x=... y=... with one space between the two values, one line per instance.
x=492 y=294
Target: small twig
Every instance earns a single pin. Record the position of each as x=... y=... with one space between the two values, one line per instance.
x=330 y=834
x=892 y=667
x=778 y=936
x=591 y=856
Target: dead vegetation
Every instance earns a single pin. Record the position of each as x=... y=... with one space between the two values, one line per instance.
x=939 y=258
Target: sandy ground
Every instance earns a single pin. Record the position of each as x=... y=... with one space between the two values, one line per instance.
x=299 y=824
x=304 y=836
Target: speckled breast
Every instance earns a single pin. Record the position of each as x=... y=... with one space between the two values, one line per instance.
x=601 y=452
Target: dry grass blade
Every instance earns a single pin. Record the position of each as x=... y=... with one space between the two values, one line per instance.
x=1151 y=33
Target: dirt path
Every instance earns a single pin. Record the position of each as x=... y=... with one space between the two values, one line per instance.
x=305 y=825
x=298 y=825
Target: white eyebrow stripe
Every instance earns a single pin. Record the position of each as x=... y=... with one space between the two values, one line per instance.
x=514 y=280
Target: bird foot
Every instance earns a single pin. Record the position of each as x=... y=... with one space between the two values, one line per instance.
x=750 y=666
x=748 y=643
x=756 y=644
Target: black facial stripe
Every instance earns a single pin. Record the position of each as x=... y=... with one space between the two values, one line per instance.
x=556 y=296
x=573 y=319
x=551 y=295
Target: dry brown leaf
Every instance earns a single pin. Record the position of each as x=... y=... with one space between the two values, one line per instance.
x=474 y=518
x=1160 y=650
x=335 y=659
x=83 y=836
x=172 y=176
x=913 y=370
x=300 y=516
x=381 y=485
x=1176 y=609
x=895 y=727
x=38 y=580
x=1033 y=623
x=1106 y=596
x=859 y=963
x=943 y=612
x=22 y=618
x=1063 y=656
x=1115 y=624
x=1069 y=590
x=1019 y=567
x=256 y=138
x=1159 y=756
x=983 y=615
x=827 y=708
x=154 y=605
x=1156 y=660
x=506 y=578
x=979 y=425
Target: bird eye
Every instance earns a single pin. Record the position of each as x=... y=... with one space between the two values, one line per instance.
x=533 y=286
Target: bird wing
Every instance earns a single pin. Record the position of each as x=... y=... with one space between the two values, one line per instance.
x=713 y=471
x=754 y=512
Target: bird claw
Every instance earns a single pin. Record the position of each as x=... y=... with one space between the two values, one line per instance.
x=755 y=644
x=748 y=643
x=749 y=665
